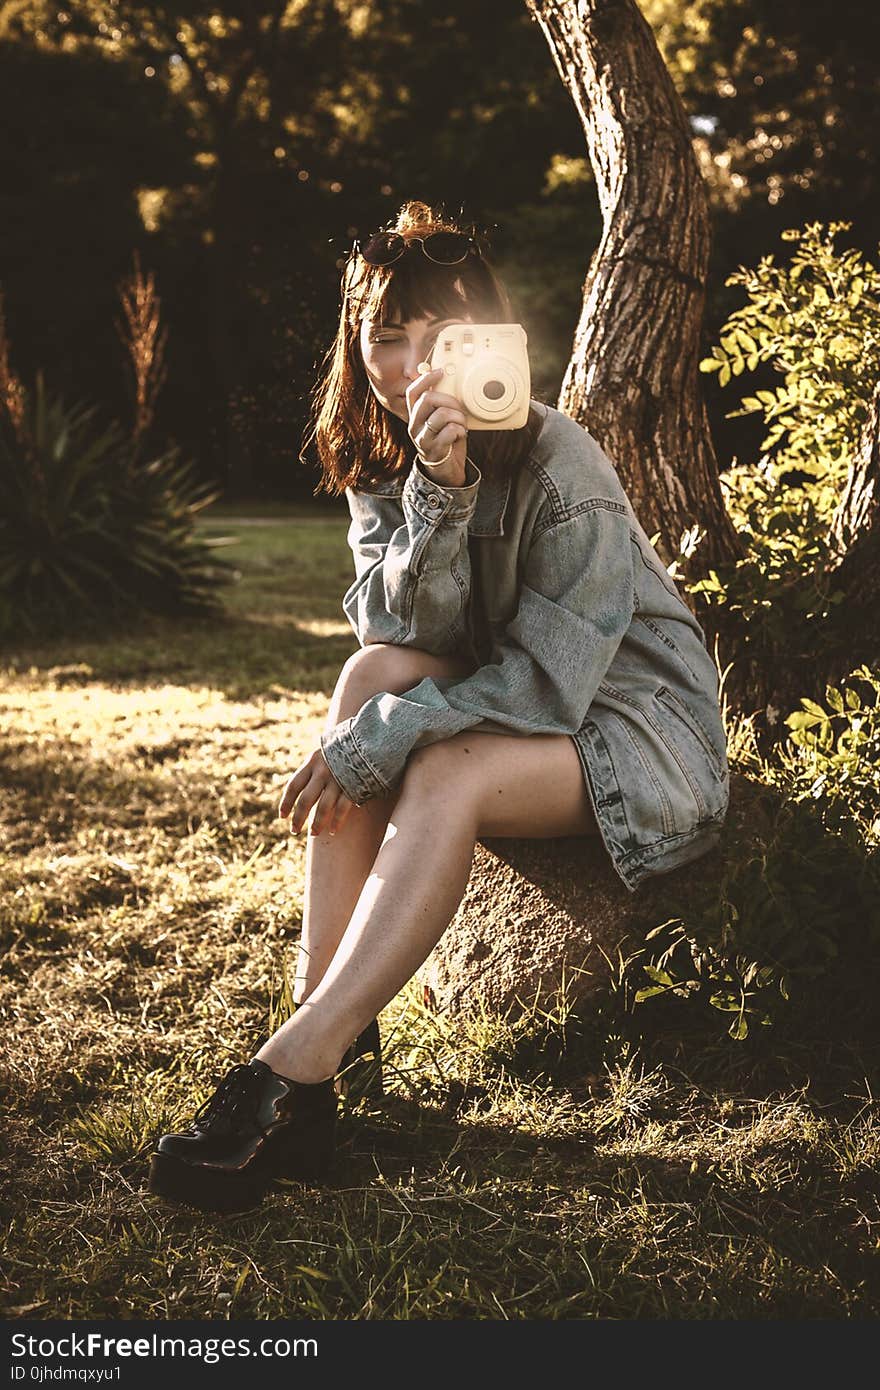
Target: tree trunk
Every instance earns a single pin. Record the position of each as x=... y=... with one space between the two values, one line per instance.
x=859 y=511
x=633 y=377
x=856 y=532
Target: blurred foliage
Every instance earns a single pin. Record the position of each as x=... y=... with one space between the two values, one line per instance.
x=785 y=95
x=88 y=529
x=278 y=132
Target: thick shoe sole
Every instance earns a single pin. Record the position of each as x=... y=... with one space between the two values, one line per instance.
x=208 y=1189
x=213 y=1189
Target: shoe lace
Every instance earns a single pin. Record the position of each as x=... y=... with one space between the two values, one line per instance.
x=235 y=1102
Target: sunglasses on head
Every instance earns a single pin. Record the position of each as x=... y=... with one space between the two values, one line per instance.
x=443 y=248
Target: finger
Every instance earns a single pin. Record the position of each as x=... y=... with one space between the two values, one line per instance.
x=304 y=803
x=438 y=409
x=325 y=809
x=434 y=440
x=437 y=417
x=294 y=786
x=429 y=444
x=343 y=810
x=421 y=384
x=444 y=400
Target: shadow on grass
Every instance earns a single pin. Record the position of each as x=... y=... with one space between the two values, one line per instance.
x=281 y=624
x=242 y=657
x=506 y=1200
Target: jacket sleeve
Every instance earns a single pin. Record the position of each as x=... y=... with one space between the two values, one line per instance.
x=412 y=563
x=576 y=603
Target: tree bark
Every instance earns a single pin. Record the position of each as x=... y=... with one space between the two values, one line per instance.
x=859 y=511
x=856 y=533
x=633 y=378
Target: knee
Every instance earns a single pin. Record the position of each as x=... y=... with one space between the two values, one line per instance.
x=380 y=666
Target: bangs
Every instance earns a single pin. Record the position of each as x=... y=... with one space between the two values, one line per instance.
x=409 y=290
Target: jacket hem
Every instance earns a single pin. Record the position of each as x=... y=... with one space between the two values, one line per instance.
x=633 y=863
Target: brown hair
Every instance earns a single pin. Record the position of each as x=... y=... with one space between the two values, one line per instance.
x=358 y=441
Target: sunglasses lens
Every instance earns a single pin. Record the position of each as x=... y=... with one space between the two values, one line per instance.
x=446 y=248
x=383 y=248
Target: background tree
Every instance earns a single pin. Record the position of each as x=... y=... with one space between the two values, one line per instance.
x=632 y=378
x=786 y=97
x=292 y=130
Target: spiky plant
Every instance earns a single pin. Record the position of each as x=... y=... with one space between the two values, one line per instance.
x=88 y=529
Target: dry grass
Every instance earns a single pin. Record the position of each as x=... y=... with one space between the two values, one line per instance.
x=149 y=903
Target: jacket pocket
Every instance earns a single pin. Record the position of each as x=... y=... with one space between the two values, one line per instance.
x=692 y=723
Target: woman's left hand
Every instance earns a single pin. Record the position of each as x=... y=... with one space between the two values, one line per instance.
x=313 y=784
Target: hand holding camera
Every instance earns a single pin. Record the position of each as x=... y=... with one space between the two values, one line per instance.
x=437 y=427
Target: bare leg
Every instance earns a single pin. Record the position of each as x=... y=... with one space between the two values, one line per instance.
x=452 y=792
x=337 y=866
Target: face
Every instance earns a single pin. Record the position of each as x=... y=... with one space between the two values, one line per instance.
x=392 y=353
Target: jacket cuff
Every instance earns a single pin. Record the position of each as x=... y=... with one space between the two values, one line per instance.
x=435 y=501
x=350 y=766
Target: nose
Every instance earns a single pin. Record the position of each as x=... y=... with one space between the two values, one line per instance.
x=412 y=358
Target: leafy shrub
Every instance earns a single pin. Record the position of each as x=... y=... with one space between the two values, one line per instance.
x=86 y=528
x=833 y=755
x=816 y=321
x=795 y=916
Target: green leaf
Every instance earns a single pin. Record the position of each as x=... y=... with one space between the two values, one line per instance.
x=649 y=992
x=660 y=977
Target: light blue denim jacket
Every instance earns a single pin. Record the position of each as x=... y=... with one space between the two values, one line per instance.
x=549 y=585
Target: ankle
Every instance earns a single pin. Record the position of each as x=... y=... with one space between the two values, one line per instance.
x=297 y=1063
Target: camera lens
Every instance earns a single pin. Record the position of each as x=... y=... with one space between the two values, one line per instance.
x=490 y=387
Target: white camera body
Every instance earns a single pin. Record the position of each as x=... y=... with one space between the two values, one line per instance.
x=486 y=367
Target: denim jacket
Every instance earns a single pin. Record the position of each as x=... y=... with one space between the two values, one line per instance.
x=549 y=585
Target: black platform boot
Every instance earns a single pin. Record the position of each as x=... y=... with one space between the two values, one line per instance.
x=361 y=1067
x=255 y=1127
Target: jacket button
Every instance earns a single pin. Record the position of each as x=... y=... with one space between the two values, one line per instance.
x=433 y=500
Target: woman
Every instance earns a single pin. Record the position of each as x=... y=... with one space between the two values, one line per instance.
x=526 y=668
